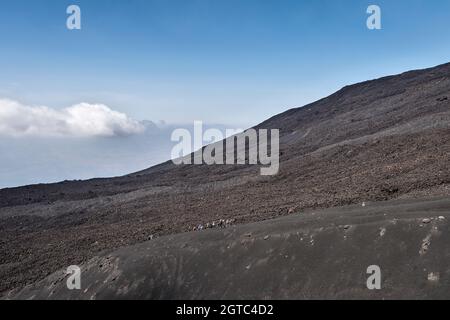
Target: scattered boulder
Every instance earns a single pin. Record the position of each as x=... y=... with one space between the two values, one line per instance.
x=214 y=224
x=433 y=276
x=425 y=245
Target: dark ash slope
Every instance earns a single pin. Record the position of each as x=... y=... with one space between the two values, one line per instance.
x=314 y=255
x=372 y=141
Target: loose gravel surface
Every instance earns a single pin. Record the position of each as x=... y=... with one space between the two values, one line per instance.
x=370 y=142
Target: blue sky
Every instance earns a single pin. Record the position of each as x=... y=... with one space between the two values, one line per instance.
x=221 y=61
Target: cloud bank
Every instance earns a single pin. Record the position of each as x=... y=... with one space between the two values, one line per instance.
x=81 y=120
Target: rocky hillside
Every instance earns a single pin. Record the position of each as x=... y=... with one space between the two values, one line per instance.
x=320 y=254
x=373 y=141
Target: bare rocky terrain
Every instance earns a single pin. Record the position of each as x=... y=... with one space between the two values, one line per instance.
x=320 y=254
x=370 y=142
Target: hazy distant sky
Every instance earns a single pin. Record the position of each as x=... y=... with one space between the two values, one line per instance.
x=220 y=61
x=72 y=102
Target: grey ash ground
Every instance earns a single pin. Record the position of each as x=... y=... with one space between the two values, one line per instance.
x=311 y=255
x=371 y=142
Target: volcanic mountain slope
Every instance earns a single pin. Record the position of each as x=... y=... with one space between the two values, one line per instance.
x=372 y=141
x=321 y=254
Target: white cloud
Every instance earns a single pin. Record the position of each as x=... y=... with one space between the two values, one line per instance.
x=81 y=120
